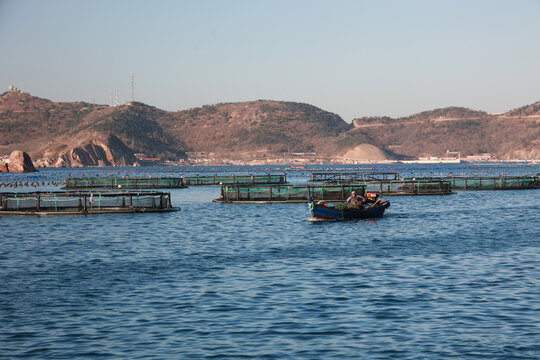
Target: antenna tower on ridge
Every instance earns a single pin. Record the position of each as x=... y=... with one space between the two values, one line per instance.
x=132 y=89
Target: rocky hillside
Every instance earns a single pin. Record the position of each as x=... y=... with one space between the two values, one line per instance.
x=95 y=149
x=82 y=134
x=65 y=134
x=258 y=125
x=515 y=134
x=527 y=110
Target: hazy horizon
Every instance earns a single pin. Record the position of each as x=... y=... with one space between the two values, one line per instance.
x=352 y=58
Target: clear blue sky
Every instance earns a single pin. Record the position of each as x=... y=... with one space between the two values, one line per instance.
x=354 y=58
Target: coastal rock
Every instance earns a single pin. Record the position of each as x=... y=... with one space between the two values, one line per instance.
x=104 y=150
x=19 y=161
x=44 y=162
x=3 y=167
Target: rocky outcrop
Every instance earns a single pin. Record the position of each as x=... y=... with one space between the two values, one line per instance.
x=19 y=161
x=106 y=150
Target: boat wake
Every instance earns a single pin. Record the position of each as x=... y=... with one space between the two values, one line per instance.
x=314 y=219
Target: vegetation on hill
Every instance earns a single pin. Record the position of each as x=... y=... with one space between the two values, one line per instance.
x=528 y=110
x=453 y=112
x=40 y=126
x=456 y=129
x=136 y=128
x=274 y=126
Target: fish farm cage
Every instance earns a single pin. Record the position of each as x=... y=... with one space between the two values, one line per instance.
x=75 y=202
x=406 y=187
x=351 y=176
x=493 y=183
x=169 y=182
x=126 y=183
x=235 y=179
x=287 y=193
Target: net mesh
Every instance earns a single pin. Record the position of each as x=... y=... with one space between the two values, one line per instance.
x=288 y=193
x=149 y=183
x=83 y=201
x=494 y=183
x=244 y=179
x=137 y=183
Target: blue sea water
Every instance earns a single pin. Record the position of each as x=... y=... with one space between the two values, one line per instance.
x=437 y=277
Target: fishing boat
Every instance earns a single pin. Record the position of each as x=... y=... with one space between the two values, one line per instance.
x=372 y=208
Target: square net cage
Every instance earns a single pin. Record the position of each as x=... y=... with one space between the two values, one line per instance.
x=289 y=193
x=128 y=183
x=495 y=183
x=84 y=201
x=236 y=179
x=351 y=177
x=409 y=187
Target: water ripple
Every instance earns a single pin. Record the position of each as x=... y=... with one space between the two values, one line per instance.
x=436 y=278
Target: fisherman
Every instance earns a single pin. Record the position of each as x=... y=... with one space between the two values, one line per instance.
x=355 y=199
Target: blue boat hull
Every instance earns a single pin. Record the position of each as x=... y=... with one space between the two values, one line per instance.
x=320 y=211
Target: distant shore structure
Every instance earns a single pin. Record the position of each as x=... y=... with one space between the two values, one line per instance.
x=117 y=101
x=12 y=88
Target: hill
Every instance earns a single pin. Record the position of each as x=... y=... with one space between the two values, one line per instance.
x=527 y=110
x=512 y=135
x=83 y=134
x=275 y=126
x=49 y=130
x=52 y=131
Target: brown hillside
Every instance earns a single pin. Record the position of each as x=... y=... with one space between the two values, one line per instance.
x=50 y=130
x=47 y=129
x=456 y=129
x=449 y=113
x=258 y=125
x=44 y=128
x=528 y=110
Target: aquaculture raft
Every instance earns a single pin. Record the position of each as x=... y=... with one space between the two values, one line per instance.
x=287 y=194
x=235 y=179
x=351 y=176
x=125 y=183
x=408 y=187
x=494 y=183
x=170 y=182
x=75 y=202
x=403 y=187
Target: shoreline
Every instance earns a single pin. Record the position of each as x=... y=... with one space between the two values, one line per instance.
x=305 y=162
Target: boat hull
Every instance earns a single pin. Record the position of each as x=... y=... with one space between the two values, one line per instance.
x=320 y=211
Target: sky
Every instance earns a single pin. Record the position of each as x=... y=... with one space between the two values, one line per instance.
x=353 y=58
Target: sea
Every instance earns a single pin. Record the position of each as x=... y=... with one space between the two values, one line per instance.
x=438 y=277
